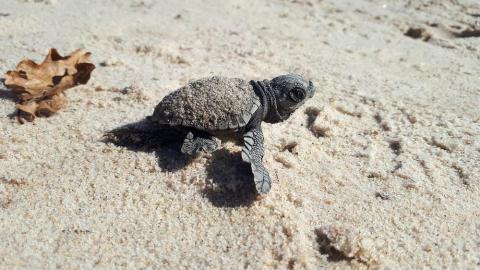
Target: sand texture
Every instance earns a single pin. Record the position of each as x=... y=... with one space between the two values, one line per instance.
x=379 y=170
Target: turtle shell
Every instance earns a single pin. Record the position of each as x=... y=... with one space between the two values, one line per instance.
x=210 y=104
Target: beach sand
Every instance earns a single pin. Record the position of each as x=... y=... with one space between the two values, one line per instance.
x=381 y=169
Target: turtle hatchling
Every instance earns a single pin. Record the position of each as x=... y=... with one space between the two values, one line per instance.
x=225 y=108
x=229 y=109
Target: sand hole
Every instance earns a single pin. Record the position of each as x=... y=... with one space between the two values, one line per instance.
x=383 y=124
x=290 y=147
x=291 y=264
x=418 y=33
x=345 y=111
x=316 y=129
x=396 y=146
x=312 y=113
x=468 y=33
x=382 y=195
x=327 y=248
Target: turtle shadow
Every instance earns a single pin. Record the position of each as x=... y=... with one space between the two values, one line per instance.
x=143 y=136
x=231 y=182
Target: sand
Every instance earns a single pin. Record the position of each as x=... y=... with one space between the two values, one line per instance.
x=379 y=170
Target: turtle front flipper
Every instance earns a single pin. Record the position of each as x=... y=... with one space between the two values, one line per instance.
x=252 y=152
x=193 y=144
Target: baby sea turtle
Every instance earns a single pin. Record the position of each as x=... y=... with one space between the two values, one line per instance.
x=231 y=108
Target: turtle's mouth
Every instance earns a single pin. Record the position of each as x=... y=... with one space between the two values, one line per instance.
x=287 y=112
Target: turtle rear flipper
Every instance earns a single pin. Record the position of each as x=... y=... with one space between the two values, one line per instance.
x=195 y=144
x=252 y=152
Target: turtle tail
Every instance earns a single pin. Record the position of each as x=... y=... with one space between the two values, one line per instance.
x=143 y=134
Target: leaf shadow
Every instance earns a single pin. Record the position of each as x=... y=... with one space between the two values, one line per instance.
x=6 y=94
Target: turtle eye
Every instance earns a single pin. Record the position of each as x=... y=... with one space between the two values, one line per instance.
x=297 y=94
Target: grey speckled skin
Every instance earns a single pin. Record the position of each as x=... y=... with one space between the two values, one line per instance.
x=233 y=109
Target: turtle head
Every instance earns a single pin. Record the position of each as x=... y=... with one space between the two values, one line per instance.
x=290 y=92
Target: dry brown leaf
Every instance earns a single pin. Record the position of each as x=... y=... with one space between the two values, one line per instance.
x=39 y=87
x=28 y=110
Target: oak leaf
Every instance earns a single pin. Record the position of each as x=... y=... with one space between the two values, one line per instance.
x=39 y=87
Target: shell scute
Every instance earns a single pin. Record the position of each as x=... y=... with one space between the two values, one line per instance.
x=216 y=103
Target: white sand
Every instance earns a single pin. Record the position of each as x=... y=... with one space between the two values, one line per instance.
x=391 y=182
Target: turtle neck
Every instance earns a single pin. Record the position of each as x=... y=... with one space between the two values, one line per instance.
x=264 y=91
